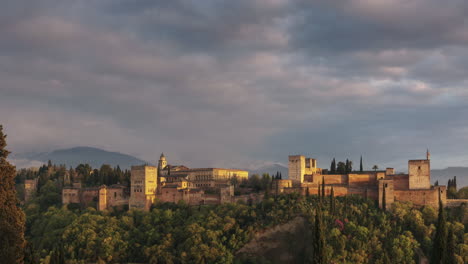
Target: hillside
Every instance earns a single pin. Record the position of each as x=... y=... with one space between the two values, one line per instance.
x=74 y=156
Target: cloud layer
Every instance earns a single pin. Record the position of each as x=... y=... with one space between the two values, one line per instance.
x=229 y=83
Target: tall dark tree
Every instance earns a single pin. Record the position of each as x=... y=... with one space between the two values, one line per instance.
x=319 y=239
x=439 y=248
x=332 y=201
x=12 y=218
x=361 y=169
x=333 y=167
x=384 y=198
x=341 y=168
x=319 y=193
x=323 y=186
x=451 y=247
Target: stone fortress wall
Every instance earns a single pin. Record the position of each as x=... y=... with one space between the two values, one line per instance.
x=412 y=187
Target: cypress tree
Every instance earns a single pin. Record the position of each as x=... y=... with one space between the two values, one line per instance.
x=323 y=186
x=319 y=239
x=347 y=166
x=361 y=169
x=450 y=258
x=332 y=201
x=11 y=216
x=439 y=248
x=333 y=166
x=318 y=194
x=384 y=199
x=277 y=188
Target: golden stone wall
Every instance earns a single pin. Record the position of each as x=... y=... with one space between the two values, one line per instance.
x=419 y=174
x=143 y=187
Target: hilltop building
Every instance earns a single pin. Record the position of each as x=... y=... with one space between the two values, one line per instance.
x=165 y=183
x=415 y=187
x=175 y=183
x=197 y=185
x=102 y=197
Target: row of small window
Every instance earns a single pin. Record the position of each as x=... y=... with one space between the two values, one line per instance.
x=137 y=190
x=69 y=194
x=203 y=177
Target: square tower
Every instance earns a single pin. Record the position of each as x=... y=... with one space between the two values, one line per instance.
x=296 y=168
x=143 y=187
x=419 y=172
x=386 y=193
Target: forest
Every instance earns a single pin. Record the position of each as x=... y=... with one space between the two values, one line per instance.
x=339 y=230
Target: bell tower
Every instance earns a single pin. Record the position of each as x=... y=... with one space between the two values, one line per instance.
x=162 y=162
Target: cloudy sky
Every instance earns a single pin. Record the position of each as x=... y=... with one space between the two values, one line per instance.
x=237 y=83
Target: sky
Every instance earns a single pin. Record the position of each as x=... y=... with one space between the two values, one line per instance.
x=238 y=83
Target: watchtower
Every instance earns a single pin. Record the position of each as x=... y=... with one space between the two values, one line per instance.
x=419 y=172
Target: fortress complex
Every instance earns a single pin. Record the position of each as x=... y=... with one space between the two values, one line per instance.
x=173 y=183
x=415 y=187
x=165 y=183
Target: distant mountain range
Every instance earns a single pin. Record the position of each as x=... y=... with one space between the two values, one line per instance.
x=270 y=169
x=443 y=175
x=75 y=156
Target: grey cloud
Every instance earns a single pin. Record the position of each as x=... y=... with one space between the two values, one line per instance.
x=224 y=82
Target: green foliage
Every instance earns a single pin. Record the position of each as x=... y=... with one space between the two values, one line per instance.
x=439 y=249
x=319 y=243
x=258 y=184
x=11 y=216
x=463 y=193
x=344 y=230
x=451 y=257
x=341 y=168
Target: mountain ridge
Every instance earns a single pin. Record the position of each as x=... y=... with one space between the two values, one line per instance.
x=77 y=155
